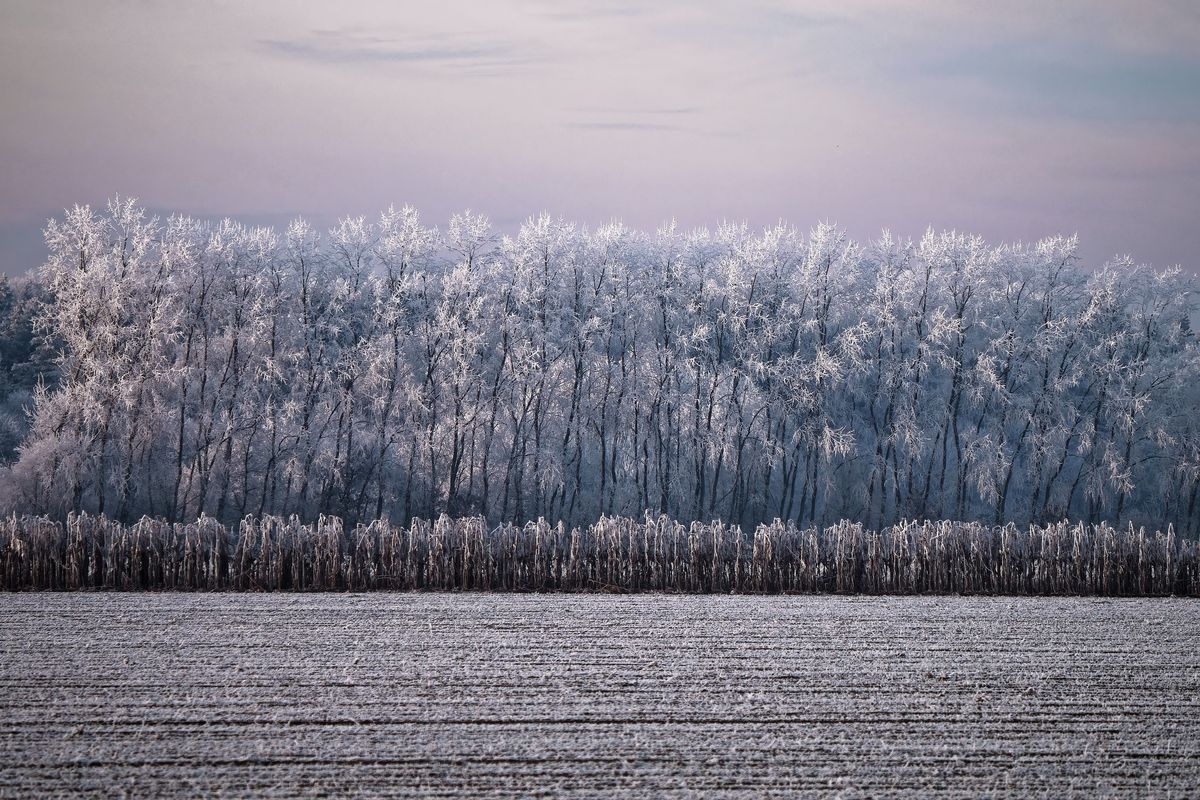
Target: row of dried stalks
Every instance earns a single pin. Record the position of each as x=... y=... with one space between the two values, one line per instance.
x=614 y=554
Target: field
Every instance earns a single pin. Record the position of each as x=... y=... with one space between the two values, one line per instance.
x=467 y=695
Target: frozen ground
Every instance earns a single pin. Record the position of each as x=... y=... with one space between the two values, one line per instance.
x=597 y=696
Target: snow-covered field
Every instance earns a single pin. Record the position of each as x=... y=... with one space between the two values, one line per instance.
x=597 y=696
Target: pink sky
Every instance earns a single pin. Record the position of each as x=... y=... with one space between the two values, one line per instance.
x=1017 y=123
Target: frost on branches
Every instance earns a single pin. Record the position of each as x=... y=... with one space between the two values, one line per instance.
x=389 y=369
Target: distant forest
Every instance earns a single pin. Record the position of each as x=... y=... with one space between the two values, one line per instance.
x=388 y=369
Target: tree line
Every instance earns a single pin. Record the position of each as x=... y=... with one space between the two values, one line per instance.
x=388 y=369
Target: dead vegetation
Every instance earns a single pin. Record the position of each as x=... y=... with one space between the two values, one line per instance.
x=613 y=555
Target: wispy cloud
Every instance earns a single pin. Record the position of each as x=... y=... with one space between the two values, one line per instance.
x=1057 y=79
x=589 y=14
x=623 y=126
x=666 y=111
x=445 y=51
x=586 y=10
x=617 y=118
x=1075 y=66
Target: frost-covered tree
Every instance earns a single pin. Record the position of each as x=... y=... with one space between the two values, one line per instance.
x=26 y=360
x=385 y=368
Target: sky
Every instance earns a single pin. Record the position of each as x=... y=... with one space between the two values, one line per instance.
x=1012 y=120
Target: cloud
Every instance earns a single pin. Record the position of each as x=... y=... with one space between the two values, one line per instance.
x=1063 y=79
x=444 y=51
x=623 y=126
x=667 y=111
x=588 y=13
x=1089 y=62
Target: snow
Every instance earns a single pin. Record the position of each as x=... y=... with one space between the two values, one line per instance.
x=465 y=695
